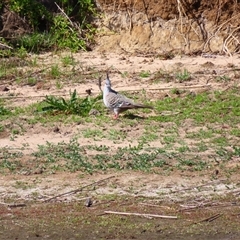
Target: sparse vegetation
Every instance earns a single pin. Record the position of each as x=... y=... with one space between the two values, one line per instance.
x=183 y=76
x=145 y=74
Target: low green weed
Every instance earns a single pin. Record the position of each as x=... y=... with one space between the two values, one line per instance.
x=10 y=160
x=145 y=74
x=74 y=105
x=4 y=111
x=68 y=60
x=55 y=71
x=183 y=76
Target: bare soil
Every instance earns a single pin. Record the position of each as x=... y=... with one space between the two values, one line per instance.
x=206 y=207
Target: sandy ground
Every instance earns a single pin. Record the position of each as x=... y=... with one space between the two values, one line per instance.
x=205 y=67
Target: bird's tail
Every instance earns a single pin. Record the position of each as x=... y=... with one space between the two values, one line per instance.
x=143 y=106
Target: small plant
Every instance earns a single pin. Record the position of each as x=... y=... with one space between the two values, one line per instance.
x=4 y=111
x=72 y=106
x=67 y=60
x=176 y=91
x=194 y=164
x=223 y=78
x=148 y=137
x=31 y=81
x=236 y=151
x=144 y=74
x=124 y=74
x=183 y=149
x=21 y=52
x=22 y=185
x=92 y=133
x=59 y=85
x=55 y=72
x=9 y=160
x=183 y=76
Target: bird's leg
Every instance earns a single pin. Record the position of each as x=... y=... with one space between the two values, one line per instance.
x=115 y=116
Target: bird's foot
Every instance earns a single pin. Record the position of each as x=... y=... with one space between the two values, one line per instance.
x=115 y=117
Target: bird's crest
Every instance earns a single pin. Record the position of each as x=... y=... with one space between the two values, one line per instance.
x=108 y=82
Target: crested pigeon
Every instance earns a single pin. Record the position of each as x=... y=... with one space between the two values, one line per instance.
x=117 y=102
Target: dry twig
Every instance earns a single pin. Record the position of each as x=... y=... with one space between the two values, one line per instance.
x=141 y=215
x=3 y=46
x=13 y=205
x=79 y=189
x=210 y=219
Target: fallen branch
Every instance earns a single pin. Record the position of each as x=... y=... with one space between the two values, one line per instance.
x=79 y=189
x=154 y=205
x=141 y=215
x=4 y=46
x=13 y=205
x=210 y=219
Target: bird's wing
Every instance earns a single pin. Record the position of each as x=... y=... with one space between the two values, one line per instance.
x=116 y=100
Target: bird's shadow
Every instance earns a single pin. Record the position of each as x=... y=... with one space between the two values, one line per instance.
x=132 y=116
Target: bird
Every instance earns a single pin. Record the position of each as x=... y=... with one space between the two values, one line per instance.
x=117 y=102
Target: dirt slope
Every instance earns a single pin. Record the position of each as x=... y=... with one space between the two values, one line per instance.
x=176 y=25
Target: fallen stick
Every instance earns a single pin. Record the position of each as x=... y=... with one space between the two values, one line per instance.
x=154 y=205
x=4 y=46
x=78 y=190
x=141 y=214
x=210 y=219
x=13 y=205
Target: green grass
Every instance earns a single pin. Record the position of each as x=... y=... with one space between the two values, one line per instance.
x=93 y=133
x=114 y=135
x=183 y=76
x=10 y=160
x=68 y=60
x=222 y=107
x=55 y=71
x=145 y=74
x=70 y=156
